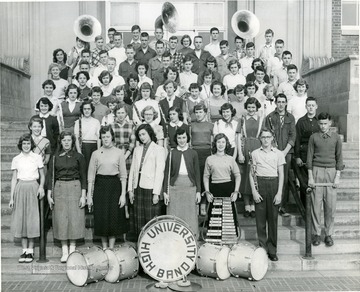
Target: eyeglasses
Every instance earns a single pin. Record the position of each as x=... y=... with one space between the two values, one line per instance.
x=266 y=137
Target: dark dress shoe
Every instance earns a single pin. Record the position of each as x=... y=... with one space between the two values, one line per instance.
x=329 y=241
x=273 y=257
x=252 y=214
x=316 y=240
x=247 y=214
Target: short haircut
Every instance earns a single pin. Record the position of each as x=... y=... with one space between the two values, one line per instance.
x=53 y=65
x=200 y=106
x=256 y=60
x=111 y=29
x=187 y=59
x=252 y=100
x=72 y=86
x=217 y=138
x=105 y=129
x=250 y=45
x=118 y=33
x=310 y=98
x=159 y=42
x=280 y=95
x=291 y=67
x=142 y=64
x=239 y=88
x=181 y=131
x=198 y=37
x=119 y=88
x=285 y=53
x=28 y=138
x=132 y=76
x=86 y=102
x=144 y=35
x=99 y=37
x=85 y=51
x=120 y=106
x=260 y=68
x=232 y=62
x=167 y=54
x=96 y=89
x=167 y=82
x=224 y=43
x=267 y=87
x=301 y=82
x=264 y=129
x=86 y=74
x=35 y=120
x=195 y=86
x=268 y=31
x=44 y=100
x=103 y=52
x=104 y=74
x=227 y=106
x=48 y=82
x=148 y=108
x=238 y=38
x=214 y=29
x=173 y=37
x=186 y=36
x=112 y=59
x=280 y=42
x=250 y=84
x=179 y=112
x=84 y=62
x=217 y=83
x=57 y=51
x=129 y=47
x=135 y=27
x=324 y=116
x=148 y=129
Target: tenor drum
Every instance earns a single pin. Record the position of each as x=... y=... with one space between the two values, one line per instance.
x=248 y=261
x=212 y=261
x=83 y=268
x=167 y=248
x=123 y=263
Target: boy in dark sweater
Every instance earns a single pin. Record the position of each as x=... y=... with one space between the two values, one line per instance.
x=324 y=163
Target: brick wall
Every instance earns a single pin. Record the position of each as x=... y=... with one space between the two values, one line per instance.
x=342 y=45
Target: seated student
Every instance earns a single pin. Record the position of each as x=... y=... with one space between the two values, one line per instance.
x=305 y=127
x=193 y=99
x=246 y=62
x=211 y=64
x=141 y=69
x=324 y=163
x=82 y=78
x=296 y=105
x=60 y=84
x=251 y=76
x=234 y=77
x=287 y=87
x=129 y=65
x=269 y=103
x=100 y=109
x=280 y=75
x=132 y=91
x=187 y=76
x=268 y=164
x=237 y=100
x=208 y=77
x=110 y=117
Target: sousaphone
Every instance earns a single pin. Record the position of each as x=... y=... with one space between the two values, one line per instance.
x=245 y=24
x=87 y=27
x=168 y=18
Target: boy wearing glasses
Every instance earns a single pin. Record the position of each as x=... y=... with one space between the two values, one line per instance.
x=266 y=181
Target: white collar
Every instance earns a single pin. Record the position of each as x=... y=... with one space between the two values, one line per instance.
x=44 y=116
x=179 y=124
x=194 y=100
x=184 y=149
x=255 y=117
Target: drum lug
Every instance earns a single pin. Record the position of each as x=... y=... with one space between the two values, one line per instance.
x=250 y=279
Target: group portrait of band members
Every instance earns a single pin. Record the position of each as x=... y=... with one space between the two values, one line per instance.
x=133 y=131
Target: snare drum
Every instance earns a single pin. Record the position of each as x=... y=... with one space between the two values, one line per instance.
x=212 y=261
x=123 y=263
x=167 y=248
x=83 y=268
x=248 y=261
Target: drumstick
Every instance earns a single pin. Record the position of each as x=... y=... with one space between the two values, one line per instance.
x=309 y=189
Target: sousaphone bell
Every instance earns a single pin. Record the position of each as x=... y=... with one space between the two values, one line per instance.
x=245 y=24
x=168 y=18
x=87 y=27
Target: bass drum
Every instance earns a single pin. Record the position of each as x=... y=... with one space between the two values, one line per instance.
x=167 y=248
x=248 y=261
x=212 y=261
x=123 y=263
x=83 y=268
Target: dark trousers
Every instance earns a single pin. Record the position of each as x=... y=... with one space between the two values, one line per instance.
x=285 y=194
x=267 y=212
x=302 y=174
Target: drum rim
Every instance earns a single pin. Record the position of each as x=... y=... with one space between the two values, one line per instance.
x=108 y=250
x=75 y=253
x=261 y=274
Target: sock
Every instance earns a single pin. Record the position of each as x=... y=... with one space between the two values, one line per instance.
x=252 y=208
x=24 y=250
x=65 y=249
x=30 y=250
x=248 y=208
x=72 y=248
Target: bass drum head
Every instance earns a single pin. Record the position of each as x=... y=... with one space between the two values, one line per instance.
x=167 y=249
x=76 y=269
x=259 y=264
x=222 y=263
x=114 y=267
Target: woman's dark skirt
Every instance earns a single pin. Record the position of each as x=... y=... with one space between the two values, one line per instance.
x=222 y=189
x=109 y=219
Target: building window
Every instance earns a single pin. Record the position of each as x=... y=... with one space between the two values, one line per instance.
x=350 y=17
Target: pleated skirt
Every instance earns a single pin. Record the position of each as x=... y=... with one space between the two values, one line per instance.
x=25 y=218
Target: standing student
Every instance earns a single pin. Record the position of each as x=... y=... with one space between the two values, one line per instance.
x=248 y=131
x=216 y=100
x=208 y=78
x=107 y=189
x=198 y=55
x=149 y=116
x=193 y=100
x=296 y=105
x=144 y=53
x=210 y=64
x=267 y=50
x=175 y=55
x=282 y=123
x=67 y=194
x=95 y=53
x=234 y=77
x=287 y=87
x=251 y=76
x=60 y=84
x=275 y=62
x=60 y=57
x=118 y=51
x=82 y=77
x=186 y=43
x=224 y=58
x=305 y=127
x=324 y=163
x=142 y=69
x=170 y=74
x=156 y=62
x=176 y=119
x=100 y=109
x=280 y=75
x=269 y=104
x=159 y=76
x=246 y=62
x=237 y=100
x=239 y=52
x=27 y=168
x=135 y=41
x=132 y=91
x=182 y=181
x=70 y=109
x=159 y=36
x=214 y=46
x=187 y=77
x=145 y=179
x=268 y=172
x=128 y=66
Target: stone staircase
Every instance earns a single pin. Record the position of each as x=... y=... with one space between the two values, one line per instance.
x=344 y=255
